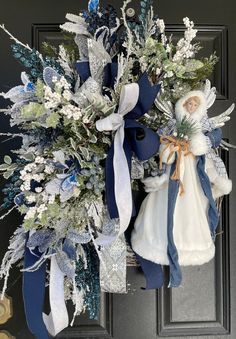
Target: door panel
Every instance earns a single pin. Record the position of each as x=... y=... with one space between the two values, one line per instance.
x=205 y=304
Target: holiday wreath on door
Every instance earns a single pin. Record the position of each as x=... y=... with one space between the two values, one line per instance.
x=119 y=104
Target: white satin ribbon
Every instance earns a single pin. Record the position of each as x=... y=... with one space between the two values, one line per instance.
x=58 y=319
x=115 y=122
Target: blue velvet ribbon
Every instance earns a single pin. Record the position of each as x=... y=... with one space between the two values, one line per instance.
x=33 y=294
x=153 y=273
x=109 y=75
x=144 y=147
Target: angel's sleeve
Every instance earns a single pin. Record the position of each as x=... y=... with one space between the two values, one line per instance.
x=214 y=137
x=167 y=128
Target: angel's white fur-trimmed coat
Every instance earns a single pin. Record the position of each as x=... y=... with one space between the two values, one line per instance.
x=191 y=230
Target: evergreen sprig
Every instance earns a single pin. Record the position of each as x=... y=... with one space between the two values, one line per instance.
x=186 y=128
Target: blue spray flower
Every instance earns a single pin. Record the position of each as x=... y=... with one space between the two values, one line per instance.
x=93 y=5
x=29 y=87
x=69 y=182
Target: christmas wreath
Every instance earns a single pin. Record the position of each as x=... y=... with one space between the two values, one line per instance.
x=117 y=104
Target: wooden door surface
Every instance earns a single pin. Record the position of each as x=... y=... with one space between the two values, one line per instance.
x=205 y=305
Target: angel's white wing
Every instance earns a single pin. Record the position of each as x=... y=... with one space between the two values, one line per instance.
x=210 y=93
x=221 y=119
x=226 y=146
x=165 y=106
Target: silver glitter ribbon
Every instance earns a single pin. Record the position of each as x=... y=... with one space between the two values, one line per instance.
x=113 y=267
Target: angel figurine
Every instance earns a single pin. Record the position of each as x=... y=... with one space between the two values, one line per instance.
x=177 y=221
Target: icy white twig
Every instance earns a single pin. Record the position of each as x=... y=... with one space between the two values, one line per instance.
x=7 y=213
x=18 y=41
x=14 y=135
x=78 y=300
x=13 y=38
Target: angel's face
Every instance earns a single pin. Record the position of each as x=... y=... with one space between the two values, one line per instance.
x=191 y=105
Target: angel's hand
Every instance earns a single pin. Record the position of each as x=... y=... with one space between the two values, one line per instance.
x=221 y=119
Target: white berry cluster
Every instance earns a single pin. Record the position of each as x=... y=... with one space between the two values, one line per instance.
x=53 y=98
x=35 y=211
x=161 y=25
x=61 y=83
x=43 y=201
x=185 y=48
x=71 y=112
x=30 y=172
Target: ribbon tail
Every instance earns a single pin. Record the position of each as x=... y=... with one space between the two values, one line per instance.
x=33 y=294
x=110 y=180
x=110 y=192
x=113 y=267
x=175 y=270
x=153 y=273
x=58 y=319
x=123 y=192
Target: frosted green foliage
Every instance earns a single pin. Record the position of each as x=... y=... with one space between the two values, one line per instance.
x=52 y=120
x=39 y=89
x=33 y=111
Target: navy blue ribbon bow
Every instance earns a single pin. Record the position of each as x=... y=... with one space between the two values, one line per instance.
x=109 y=74
x=140 y=140
x=33 y=294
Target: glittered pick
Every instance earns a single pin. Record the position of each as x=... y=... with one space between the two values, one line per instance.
x=78 y=237
x=87 y=279
x=113 y=267
x=48 y=74
x=41 y=239
x=65 y=264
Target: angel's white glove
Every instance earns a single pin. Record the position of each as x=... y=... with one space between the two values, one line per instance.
x=153 y=184
x=199 y=144
x=165 y=153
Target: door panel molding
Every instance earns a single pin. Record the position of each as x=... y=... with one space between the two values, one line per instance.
x=45 y=32
x=103 y=328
